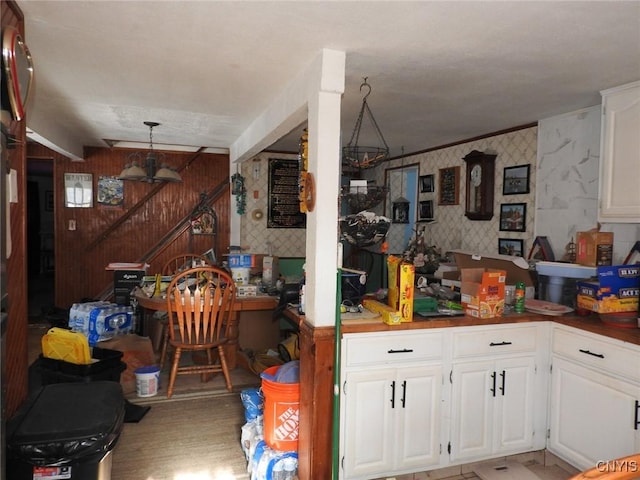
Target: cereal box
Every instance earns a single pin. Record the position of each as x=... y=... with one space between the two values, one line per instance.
x=401 y=286
x=482 y=292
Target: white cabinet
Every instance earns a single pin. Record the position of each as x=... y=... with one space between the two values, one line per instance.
x=595 y=398
x=619 y=196
x=498 y=395
x=391 y=403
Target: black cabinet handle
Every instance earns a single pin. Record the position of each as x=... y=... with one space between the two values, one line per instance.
x=493 y=389
x=503 y=375
x=404 y=350
x=635 y=421
x=599 y=355
x=393 y=394
x=404 y=392
x=499 y=344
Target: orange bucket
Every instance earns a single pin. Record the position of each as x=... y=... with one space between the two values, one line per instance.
x=281 y=412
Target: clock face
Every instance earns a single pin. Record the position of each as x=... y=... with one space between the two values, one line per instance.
x=476 y=175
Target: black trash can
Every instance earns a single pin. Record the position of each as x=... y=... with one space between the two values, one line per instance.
x=66 y=430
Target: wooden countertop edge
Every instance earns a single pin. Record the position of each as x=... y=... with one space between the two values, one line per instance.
x=590 y=324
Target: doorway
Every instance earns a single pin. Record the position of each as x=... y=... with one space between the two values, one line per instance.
x=40 y=239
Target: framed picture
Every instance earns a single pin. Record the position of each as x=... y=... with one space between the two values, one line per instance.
x=513 y=217
x=516 y=180
x=48 y=201
x=426 y=183
x=78 y=190
x=449 y=186
x=426 y=210
x=511 y=246
x=110 y=192
x=400 y=212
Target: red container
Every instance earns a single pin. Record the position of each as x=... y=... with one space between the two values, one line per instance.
x=281 y=412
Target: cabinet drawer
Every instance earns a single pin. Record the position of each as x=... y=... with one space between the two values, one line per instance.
x=605 y=354
x=392 y=348
x=494 y=341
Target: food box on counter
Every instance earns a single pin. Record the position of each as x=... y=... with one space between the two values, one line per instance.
x=401 y=286
x=388 y=314
x=616 y=289
x=482 y=292
x=594 y=249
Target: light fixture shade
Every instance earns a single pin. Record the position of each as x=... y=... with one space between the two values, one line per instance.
x=134 y=172
x=165 y=174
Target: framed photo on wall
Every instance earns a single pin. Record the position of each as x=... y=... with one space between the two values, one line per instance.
x=426 y=210
x=511 y=246
x=426 y=184
x=516 y=180
x=449 y=186
x=513 y=217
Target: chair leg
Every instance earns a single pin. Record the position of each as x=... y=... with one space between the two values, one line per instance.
x=165 y=346
x=225 y=369
x=174 y=371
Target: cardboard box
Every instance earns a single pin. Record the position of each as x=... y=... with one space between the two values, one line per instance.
x=241 y=260
x=388 y=314
x=401 y=287
x=123 y=282
x=270 y=271
x=516 y=268
x=594 y=249
x=482 y=292
x=617 y=289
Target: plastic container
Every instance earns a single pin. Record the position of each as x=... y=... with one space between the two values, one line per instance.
x=63 y=344
x=241 y=275
x=106 y=365
x=147 y=381
x=281 y=412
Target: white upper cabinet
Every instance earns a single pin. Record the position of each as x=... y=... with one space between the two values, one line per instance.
x=620 y=155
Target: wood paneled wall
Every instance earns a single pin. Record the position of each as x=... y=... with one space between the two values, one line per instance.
x=81 y=255
x=15 y=381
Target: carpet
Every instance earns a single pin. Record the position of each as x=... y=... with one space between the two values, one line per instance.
x=505 y=471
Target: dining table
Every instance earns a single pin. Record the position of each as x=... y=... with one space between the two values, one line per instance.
x=247 y=303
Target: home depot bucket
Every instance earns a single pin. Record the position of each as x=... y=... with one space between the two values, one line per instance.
x=147 y=381
x=281 y=412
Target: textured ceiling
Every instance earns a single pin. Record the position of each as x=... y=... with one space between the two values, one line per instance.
x=440 y=72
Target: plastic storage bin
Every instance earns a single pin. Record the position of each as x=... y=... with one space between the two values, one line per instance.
x=107 y=365
x=66 y=430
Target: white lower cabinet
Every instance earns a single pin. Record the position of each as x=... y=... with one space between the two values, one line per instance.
x=492 y=408
x=391 y=404
x=393 y=419
x=595 y=398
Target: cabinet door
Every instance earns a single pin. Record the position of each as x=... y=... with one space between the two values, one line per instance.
x=472 y=402
x=593 y=416
x=418 y=409
x=620 y=155
x=368 y=427
x=515 y=395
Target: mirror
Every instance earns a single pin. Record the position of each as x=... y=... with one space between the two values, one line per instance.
x=17 y=72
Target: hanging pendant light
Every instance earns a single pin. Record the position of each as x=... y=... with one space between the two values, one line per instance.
x=152 y=168
x=356 y=155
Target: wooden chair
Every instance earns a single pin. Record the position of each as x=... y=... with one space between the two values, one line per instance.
x=177 y=264
x=182 y=262
x=200 y=303
x=625 y=468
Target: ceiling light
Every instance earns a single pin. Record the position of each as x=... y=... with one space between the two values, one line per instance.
x=149 y=167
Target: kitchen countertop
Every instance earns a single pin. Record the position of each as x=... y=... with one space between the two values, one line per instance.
x=589 y=323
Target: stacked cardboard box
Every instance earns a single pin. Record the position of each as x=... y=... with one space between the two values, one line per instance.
x=482 y=292
x=594 y=249
x=616 y=289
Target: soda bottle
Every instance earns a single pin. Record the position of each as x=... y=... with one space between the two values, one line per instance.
x=520 y=297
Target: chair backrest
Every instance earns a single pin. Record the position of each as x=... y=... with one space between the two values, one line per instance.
x=183 y=261
x=200 y=302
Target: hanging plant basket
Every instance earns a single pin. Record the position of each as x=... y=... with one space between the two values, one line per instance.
x=363 y=198
x=364 y=229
